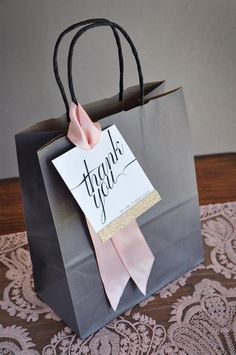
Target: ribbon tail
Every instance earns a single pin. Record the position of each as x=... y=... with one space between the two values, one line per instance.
x=113 y=273
x=135 y=254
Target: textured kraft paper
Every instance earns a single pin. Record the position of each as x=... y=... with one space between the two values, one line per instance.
x=64 y=265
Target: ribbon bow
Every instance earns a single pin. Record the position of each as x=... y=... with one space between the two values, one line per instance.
x=127 y=253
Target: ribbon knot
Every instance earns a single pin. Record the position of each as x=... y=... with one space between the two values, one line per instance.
x=126 y=254
x=82 y=132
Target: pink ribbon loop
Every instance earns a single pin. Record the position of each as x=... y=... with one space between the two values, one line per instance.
x=82 y=132
x=127 y=253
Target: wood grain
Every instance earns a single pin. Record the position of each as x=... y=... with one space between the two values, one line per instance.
x=216 y=178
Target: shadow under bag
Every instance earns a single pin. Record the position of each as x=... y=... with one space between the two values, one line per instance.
x=155 y=126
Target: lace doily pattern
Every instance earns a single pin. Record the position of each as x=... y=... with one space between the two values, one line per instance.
x=140 y=336
x=19 y=298
x=15 y=341
x=11 y=242
x=219 y=231
x=200 y=312
x=204 y=323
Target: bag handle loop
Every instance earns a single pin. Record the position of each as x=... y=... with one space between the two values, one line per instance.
x=71 y=51
x=55 y=56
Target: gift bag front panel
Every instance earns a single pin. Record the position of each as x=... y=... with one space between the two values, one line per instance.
x=158 y=135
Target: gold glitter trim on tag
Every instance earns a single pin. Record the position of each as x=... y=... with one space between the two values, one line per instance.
x=130 y=215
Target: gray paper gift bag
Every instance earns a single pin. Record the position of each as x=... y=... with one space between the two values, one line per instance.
x=155 y=126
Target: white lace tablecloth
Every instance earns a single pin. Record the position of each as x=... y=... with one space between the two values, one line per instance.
x=202 y=305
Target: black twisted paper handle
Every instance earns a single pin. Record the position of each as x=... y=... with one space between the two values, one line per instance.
x=55 y=60
x=71 y=51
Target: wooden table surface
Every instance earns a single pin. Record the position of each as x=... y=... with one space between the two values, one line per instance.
x=216 y=179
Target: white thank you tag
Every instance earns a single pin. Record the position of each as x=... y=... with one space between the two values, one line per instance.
x=107 y=182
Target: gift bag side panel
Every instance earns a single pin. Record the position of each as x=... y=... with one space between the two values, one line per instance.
x=48 y=268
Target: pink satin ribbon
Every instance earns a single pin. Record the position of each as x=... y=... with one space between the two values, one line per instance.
x=82 y=132
x=127 y=253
